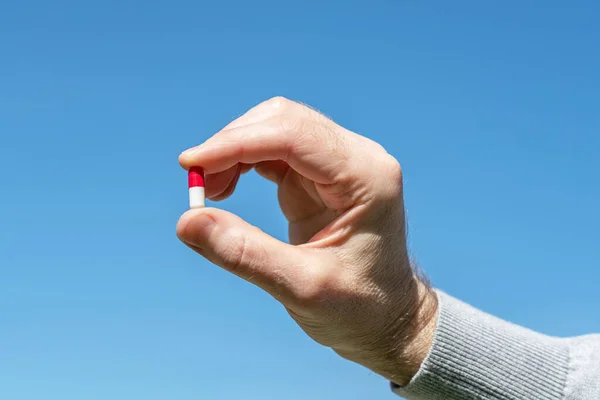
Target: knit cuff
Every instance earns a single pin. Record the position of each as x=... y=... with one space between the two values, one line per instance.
x=478 y=356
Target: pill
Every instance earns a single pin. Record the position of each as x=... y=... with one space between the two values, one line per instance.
x=196 y=187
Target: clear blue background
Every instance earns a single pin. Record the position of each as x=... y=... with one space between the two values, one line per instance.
x=491 y=107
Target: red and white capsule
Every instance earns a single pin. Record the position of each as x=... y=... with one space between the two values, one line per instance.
x=196 y=187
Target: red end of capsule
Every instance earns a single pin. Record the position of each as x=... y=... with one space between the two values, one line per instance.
x=196 y=177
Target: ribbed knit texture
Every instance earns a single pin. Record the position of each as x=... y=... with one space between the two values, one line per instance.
x=478 y=356
x=583 y=382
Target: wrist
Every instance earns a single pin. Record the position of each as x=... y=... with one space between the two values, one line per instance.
x=397 y=352
x=415 y=349
x=408 y=346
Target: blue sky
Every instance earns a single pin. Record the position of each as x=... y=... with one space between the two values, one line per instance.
x=491 y=107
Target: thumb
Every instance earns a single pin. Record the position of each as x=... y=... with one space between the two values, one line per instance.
x=231 y=243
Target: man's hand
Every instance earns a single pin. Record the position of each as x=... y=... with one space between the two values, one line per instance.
x=346 y=278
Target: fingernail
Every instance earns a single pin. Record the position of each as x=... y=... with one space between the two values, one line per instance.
x=191 y=151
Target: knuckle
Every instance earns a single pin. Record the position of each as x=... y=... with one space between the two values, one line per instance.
x=279 y=103
x=393 y=169
x=387 y=183
x=236 y=253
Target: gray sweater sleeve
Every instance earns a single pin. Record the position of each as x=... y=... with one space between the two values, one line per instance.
x=478 y=356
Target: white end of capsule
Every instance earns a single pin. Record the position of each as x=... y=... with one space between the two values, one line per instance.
x=197 y=197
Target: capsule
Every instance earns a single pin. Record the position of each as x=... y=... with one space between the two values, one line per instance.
x=196 y=187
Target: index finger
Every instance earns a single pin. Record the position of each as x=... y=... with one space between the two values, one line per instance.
x=311 y=144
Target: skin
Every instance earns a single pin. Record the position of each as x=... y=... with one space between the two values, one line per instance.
x=345 y=276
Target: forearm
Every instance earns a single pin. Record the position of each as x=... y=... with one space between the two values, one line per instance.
x=477 y=356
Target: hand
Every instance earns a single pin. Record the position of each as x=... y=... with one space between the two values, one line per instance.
x=345 y=277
